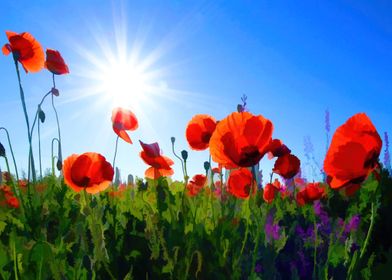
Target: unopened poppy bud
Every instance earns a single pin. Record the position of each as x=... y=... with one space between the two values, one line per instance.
x=41 y=115
x=2 y=150
x=184 y=155
x=173 y=139
x=206 y=166
x=55 y=91
x=240 y=108
x=59 y=165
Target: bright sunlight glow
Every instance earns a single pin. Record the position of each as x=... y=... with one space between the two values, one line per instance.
x=124 y=82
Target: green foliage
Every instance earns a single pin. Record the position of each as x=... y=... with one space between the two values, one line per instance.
x=154 y=230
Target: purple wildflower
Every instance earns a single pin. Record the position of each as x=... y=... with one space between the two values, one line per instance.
x=327 y=122
x=325 y=226
x=353 y=224
x=258 y=268
x=271 y=229
x=387 y=158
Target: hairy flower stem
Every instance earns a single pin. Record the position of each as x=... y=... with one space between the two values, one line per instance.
x=31 y=168
x=315 y=250
x=182 y=163
x=52 y=156
x=364 y=247
x=115 y=153
x=14 y=189
x=39 y=151
x=57 y=121
x=12 y=153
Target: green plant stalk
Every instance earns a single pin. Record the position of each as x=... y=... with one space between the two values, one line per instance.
x=39 y=151
x=57 y=121
x=36 y=114
x=15 y=260
x=16 y=192
x=115 y=153
x=31 y=156
x=12 y=153
x=52 y=156
x=182 y=163
x=363 y=250
x=315 y=250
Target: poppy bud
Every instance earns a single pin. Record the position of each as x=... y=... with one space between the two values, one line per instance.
x=240 y=108
x=55 y=92
x=206 y=166
x=2 y=150
x=41 y=115
x=59 y=165
x=173 y=139
x=184 y=155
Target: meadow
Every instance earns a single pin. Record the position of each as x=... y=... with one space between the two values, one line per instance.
x=234 y=221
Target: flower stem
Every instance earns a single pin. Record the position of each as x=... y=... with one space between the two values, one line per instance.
x=53 y=172
x=22 y=98
x=57 y=121
x=12 y=153
x=115 y=152
x=315 y=250
x=364 y=247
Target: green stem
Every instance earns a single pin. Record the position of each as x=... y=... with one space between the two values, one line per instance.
x=15 y=260
x=38 y=109
x=12 y=153
x=315 y=250
x=57 y=121
x=39 y=151
x=22 y=98
x=52 y=156
x=115 y=153
x=182 y=163
x=363 y=250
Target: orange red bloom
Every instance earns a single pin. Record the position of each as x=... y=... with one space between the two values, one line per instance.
x=310 y=193
x=270 y=191
x=287 y=166
x=55 y=62
x=88 y=171
x=26 y=50
x=240 y=140
x=277 y=149
x=160 y=165
x=240 y=183
x=199 y=131
x=353 y=153
x=196 y=184
x=123 y=120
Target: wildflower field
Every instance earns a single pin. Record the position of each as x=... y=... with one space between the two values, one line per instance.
x=231 y=222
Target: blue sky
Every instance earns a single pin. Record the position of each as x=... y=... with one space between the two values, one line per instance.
x=292 y=59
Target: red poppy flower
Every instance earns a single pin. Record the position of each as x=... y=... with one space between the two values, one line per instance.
x=240 y=140
x=89 y=171
x=199 y=131
x=196 y=184
x=270 y=190
x=277 y=149
x=160 y=165
x=287 y=166
x=310 y=193
x=55 y=62
x=353 y=153
x=123 y=120
x=12 y=201
x=26 y=50
x=240 y=183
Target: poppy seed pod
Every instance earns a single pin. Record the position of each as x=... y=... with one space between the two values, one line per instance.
x=184 y=155
x=2 y=150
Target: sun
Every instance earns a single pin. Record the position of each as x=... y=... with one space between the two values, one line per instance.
x=124 y=82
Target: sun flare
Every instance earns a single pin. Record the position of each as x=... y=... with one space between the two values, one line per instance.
x=124 y=82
